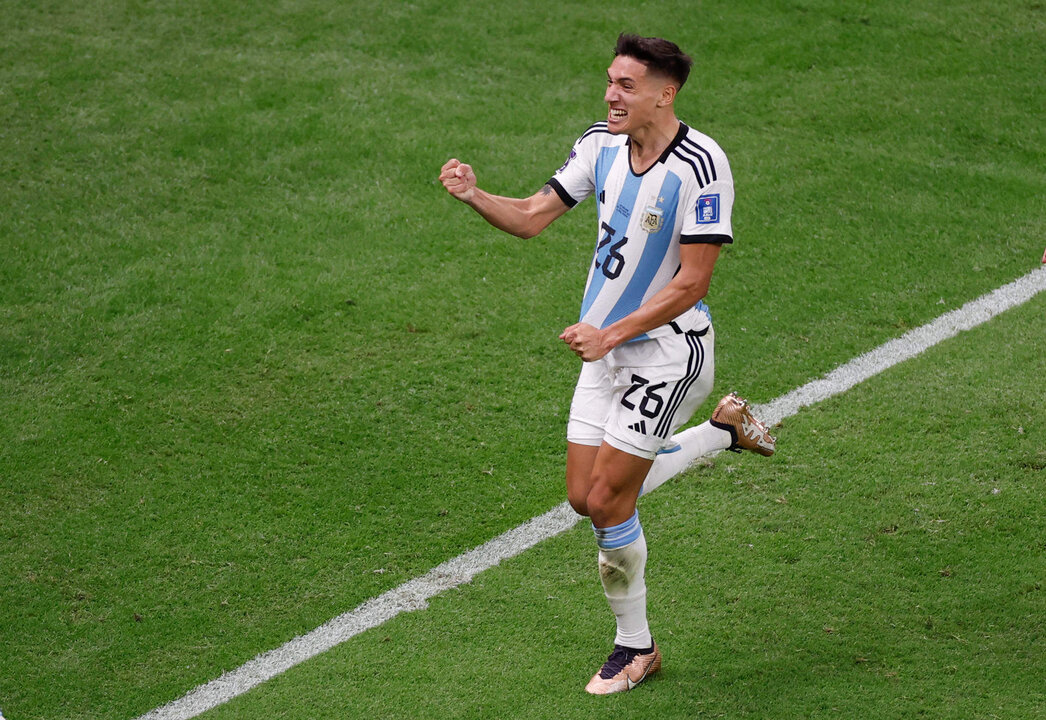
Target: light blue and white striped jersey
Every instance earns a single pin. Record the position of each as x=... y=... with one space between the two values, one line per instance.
x=685 y=197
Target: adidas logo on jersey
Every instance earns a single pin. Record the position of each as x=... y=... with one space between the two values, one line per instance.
x=639 y=427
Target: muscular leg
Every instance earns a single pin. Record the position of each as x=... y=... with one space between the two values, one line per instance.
x=604 y=482
x=580 y=459
x=616 y=479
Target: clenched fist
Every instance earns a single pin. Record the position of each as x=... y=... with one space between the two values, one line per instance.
x=459 y=179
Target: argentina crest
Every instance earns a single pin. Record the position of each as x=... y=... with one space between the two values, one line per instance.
x=653 y=217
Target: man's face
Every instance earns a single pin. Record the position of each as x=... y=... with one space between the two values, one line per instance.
x=632 y=95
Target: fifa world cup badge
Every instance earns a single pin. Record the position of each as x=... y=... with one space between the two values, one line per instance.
x=708 y=209
x=653 y=217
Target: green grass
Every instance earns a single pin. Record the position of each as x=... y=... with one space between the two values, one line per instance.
x=890 y=566
x=256 y=367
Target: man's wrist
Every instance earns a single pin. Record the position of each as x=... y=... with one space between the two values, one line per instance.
x=610 y=337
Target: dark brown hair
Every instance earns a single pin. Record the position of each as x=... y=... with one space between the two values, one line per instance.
x=657 y=54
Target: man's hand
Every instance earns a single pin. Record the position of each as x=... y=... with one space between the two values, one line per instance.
x=459 y=179
x=588 y=342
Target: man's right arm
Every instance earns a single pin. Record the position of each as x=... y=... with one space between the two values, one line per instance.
x=522 y=217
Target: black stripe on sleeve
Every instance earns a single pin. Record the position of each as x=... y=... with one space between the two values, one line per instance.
x=692 y=239
x=594 y=128
x=563 y=194
x=702 y=179
x=698 y=151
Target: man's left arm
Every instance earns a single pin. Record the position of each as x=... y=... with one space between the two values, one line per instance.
x=690 y=284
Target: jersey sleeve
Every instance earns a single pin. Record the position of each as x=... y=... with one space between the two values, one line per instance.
x=576 y=179
x=708 y=212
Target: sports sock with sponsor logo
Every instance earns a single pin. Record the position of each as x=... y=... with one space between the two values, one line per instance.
x=622 y=568
x=687 y=446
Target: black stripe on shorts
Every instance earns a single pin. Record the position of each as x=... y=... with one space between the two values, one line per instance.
x=693 y=369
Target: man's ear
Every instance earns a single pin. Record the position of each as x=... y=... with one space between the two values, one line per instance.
x=668 y=95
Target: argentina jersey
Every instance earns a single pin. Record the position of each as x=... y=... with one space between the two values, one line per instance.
x=685 y=197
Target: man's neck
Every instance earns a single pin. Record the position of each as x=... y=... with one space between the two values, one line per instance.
x=650 y=142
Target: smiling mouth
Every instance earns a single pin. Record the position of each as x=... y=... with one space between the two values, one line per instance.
x=617 y=114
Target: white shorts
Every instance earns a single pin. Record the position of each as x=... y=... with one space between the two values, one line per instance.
x=637 y=396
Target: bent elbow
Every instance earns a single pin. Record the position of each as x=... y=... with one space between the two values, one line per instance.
x=530 y=227
x=696 y=290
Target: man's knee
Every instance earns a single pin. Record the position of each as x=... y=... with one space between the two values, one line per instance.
x=608 y=503
x=578 y=500
x=580 y=459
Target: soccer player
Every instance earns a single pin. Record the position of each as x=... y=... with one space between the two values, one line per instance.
x=664 y=193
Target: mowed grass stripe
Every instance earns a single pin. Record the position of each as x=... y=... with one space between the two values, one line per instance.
x=414 y=594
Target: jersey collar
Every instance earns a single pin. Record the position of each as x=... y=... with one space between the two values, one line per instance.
x=680 y=134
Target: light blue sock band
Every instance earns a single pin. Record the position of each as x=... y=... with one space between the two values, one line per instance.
x=619 y=536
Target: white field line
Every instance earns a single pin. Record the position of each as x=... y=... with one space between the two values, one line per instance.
x=414 y=594
x=907 y=346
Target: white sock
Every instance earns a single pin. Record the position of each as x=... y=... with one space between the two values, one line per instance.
x=623 y=571
x=690 y=444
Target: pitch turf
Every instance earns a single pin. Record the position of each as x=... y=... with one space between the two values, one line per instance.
x=256 y=367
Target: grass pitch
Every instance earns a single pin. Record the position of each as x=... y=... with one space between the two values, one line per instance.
x=256 y=367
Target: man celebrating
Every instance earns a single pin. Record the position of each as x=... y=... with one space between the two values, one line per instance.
x=665 y=194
